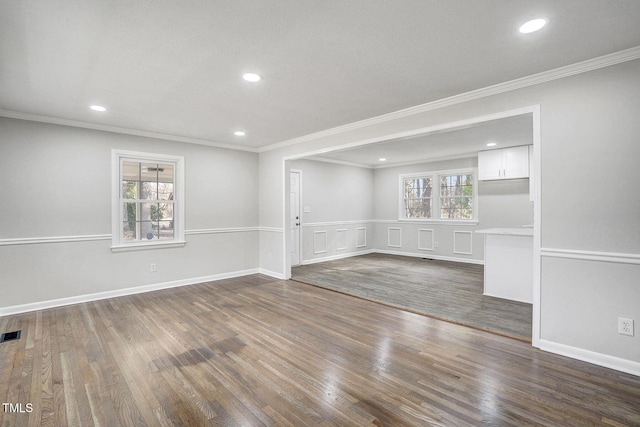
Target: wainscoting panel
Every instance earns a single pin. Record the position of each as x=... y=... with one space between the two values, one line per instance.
x=426 y=239
x=319 y=242
x=463 y=242
x=394 y=237
x=361 y=237
x=341 y=239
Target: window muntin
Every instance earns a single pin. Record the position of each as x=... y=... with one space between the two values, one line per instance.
x=456 y=196
x=453 y=200
x=417 y=197
x=147 y=199
x=148 y=205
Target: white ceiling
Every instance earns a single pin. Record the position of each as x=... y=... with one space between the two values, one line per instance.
x=174 y=67
x=452 y=143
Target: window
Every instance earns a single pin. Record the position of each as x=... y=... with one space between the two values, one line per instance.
x=147 y=201
x=456 y=196
x=453 y=201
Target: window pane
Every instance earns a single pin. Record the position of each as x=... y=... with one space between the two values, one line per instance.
x=165 y=191
x=129 y=231
x=130 y=171
x=456 y=185
x=156 y=172
x=166 y=211
x=417 y=187
x=148 y=230
x=149 y=190
x=129 y=189
x=456 y=208
x=418 y=208
x=165 y=230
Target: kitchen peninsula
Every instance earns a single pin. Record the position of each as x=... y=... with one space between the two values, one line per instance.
x=508 y=263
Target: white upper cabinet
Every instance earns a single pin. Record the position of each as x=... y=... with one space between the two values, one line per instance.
x=505 y=163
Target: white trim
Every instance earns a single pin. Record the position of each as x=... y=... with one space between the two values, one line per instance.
x=273 y=274
x=537 y=234
x=389 y=237
x=365 y=237
x=524 y=82
x=346 y=245
x=433 y=239
x=98 y=237
x=615 y=257
x=336 y=223
x=335 y=257
x=23 y=308
x=316 y=251
x=54 y=239
x=612 y=362
x=422 y=221
x=470 y=233
x=271 y=229
x=117 y=158
x=430 y=256
x=143 y=246
x=221 y=230
x=116 y=129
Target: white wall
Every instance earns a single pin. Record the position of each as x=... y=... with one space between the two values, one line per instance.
x=340 y=199
x=57 y=184
x=589 y=210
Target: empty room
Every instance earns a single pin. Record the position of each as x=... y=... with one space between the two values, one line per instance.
x=302 y=213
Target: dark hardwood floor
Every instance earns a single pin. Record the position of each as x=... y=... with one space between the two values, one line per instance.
x=445 y=290
x=255 y=351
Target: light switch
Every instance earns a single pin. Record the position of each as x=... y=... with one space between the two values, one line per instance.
x=307 y=209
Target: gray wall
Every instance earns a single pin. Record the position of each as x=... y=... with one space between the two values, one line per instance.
x=57 y=183
x=340 y=198
x=343 y=197
x=589 y=208
x=500 y=204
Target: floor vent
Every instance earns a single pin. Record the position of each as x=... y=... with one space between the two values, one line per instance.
x=10 y=336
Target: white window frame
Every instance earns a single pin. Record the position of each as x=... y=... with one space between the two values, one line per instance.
x=435 y=196
x=117 y=158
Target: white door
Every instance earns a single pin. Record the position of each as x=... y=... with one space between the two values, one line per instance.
x=294 y=217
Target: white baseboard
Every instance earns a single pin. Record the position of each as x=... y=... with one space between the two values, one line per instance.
x=612 y=362
x=334 y=257
x=23 y=308
x=430 y=256
x=273 y=274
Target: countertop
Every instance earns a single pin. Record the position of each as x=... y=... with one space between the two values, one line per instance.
x=508 y=231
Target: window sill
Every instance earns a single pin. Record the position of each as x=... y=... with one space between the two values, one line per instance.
x=440 y=221
x=147 y=246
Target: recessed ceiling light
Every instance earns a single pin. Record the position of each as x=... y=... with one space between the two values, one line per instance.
x=382 y=159
x=99 y=108
x=533 y=25
x=491 y=144
x=239 y=133
x=252 y=77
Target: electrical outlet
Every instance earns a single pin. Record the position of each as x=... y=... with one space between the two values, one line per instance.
x=436 y=245
x=625 y=326
x=153 y=268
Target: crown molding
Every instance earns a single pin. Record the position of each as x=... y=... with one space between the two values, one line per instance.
x=520 y=83
x=126 y=131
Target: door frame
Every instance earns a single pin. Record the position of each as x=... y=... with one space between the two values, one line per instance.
x=299 y=172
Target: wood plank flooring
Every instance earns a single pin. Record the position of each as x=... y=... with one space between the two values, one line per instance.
x=255 y=351
x=445 y=290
